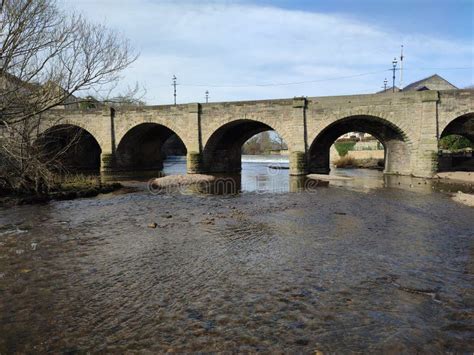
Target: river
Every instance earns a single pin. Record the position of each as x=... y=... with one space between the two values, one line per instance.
x=368 y=264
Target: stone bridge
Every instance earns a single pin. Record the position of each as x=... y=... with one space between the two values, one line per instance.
x=408 y=124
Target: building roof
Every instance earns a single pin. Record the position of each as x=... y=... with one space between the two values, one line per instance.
x=7 y=79
x=433 y=82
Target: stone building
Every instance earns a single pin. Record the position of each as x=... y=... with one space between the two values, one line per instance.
x=433 y=82
x=16 y=91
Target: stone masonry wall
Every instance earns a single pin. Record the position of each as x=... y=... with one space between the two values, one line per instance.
x=419 y=117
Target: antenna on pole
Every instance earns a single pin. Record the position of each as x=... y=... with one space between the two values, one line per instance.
x=401 y=68
x=174 y=86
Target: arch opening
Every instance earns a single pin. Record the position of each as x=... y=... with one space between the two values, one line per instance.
x=224 y=149
x=146 y=146
x=456 y=145
x=357 y=150
x=383 y=134
x=69 y=148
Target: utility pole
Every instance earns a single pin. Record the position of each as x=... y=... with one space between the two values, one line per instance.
x=174 y=86
x=401 y=68
x=385 y=84
x=394 y=63
x=207 y=96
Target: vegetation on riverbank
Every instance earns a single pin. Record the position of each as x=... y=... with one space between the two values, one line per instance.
x=348 y=161
x=263 y=143
x=344 y=161
x=344 y=147
x=455 y=142
x=64 y=188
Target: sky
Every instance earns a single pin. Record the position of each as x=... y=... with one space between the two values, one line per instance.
x=247 y=50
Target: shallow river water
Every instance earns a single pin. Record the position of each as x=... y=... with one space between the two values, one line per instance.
x=367 y=265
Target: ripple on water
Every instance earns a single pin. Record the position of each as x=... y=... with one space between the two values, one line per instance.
x=334 y=270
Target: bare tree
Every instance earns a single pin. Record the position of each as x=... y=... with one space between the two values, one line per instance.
x=278 y=142
x=263 y=143
x=46 y=58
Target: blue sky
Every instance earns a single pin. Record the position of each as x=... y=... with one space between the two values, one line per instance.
x=448 y=18
x=314 y=48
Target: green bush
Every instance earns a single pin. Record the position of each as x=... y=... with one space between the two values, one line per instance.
x=343 y=147
x=455 y=142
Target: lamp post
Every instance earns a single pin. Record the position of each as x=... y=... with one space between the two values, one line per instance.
x=385 y=84
x=401 y=68
x=207 y=96
x=394 y=63
x=174 y=86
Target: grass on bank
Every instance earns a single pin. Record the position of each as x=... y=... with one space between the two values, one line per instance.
x=62 y=187
x=345 y=162
x=348 y=161
x=76 y=182
x=80 y=185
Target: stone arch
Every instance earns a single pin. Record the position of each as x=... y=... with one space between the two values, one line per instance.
x=91 y=125
x=140 y=148
x=277 y=120
x=70 y=147
x=124 y=123
x=222 y=152
x=395 y=141
x=462 y=125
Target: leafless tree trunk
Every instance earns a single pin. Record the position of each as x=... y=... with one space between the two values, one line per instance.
x=279 y=142
x=47 y=58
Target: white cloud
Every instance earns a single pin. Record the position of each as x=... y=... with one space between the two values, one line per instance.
x=232 y=43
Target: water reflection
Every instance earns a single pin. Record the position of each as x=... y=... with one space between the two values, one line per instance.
x=259 y=175
x=369 y=180
x=334 y=270
x=233 y=184
x=223 y=185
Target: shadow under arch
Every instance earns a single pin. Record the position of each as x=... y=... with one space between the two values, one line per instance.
x=223 y=150
x=68 y=147
x=462 y=126
x=461 y=160
x=141 y=148
x=394 y=140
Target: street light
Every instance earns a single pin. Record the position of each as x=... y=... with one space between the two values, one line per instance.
x=394 y=63
x=174 y=86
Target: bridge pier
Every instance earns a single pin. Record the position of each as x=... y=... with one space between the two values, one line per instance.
x=108 y=162
x=397 y=158
x=319 y=163
x=425 y=157
x=298 y=163
x=426 y=164
x=194 y=163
